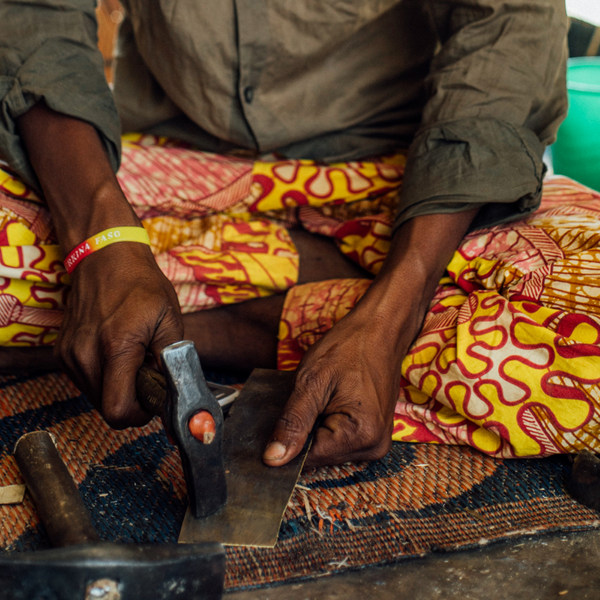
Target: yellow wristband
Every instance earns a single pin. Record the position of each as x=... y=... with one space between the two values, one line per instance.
x=102 y=239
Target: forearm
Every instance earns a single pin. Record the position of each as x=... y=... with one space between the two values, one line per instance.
x=76 y=176
x=120 y=305
x=398 y=298
x=351 y=376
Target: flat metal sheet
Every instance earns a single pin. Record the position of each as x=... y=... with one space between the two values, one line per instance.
x=257 y=495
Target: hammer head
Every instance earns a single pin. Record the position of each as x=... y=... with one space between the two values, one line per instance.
x=106 y=571
x=202 y=462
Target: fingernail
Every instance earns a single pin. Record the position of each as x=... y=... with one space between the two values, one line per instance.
x=274 y=451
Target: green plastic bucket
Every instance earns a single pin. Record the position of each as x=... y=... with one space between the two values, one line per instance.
x=576 y=152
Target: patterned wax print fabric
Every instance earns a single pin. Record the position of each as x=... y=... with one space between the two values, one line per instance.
x=217 y=226
x=508 y=360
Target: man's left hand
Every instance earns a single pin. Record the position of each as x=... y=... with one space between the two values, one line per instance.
x=351 y=379
x=351 y=376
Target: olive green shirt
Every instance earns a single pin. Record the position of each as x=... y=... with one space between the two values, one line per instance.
x=475 y=88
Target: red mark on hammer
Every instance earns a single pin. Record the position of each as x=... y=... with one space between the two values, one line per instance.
x=202 y=426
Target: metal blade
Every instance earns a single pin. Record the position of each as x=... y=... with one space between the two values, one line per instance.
x=257 y=494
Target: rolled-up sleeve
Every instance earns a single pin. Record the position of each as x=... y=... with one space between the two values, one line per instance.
x=48 y=50
x=496 y=96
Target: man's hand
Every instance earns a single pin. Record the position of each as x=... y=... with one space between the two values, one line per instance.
x=351 y=379
x=120 y=307
x=351 y=376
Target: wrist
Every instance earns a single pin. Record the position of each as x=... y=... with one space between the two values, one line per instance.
x=420 y=251
x=401 y=291
x=103 y=239
x=77 y=221
x=118 y=262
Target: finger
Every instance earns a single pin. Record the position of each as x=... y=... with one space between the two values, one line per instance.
x=78 y=357
x=120 y=407
x=295 y=423
x=341 y=439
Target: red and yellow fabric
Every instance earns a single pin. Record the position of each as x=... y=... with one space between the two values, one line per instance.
x=508 y=360
x=217 y=226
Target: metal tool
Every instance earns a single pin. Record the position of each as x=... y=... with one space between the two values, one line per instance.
x=258 y=494
x=184 y=394
x=583 y=483
x=234 y=497
x=82 y=566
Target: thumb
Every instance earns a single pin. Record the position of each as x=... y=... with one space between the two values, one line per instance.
x=294 y=425
x=169 y=331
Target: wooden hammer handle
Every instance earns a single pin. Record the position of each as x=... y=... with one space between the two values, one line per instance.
x=151 y=390
x=53 y=490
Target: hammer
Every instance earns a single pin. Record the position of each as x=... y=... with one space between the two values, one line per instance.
x=193 y=419
x=81 y=566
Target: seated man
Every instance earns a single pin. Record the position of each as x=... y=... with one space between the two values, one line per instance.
x=474 y=89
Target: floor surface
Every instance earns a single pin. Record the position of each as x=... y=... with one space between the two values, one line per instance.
x=565 y=566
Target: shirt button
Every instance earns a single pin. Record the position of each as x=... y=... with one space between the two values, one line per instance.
x=249 y=94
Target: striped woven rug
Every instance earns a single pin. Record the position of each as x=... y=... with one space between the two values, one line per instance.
x=419 y=499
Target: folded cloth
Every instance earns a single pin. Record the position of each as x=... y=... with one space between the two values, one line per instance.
x=508 y=359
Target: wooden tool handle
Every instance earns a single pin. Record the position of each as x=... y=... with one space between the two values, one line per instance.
x=53 y=490
x=151 y=390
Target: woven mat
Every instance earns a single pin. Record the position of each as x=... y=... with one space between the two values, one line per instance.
x=419 y=499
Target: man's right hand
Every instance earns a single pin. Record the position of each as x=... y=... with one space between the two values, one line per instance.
x=120 y=306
